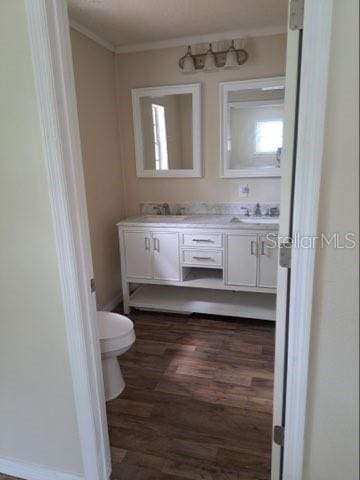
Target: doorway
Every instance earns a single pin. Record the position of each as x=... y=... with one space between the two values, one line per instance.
x=57 y=16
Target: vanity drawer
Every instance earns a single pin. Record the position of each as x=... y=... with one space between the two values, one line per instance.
x=202 y=240
x=208 y=258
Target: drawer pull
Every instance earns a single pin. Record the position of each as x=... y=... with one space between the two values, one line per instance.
x=202 y=258
x=203 y=240
x=147 y=243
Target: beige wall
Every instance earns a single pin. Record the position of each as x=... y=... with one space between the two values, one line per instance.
x=160 y=67
x=332 y=436
x=37 y=408
x=112 y=189
x=94 y=68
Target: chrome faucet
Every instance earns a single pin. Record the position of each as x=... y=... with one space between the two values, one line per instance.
x=257 y=211
x=166 y=209
x=163 y=209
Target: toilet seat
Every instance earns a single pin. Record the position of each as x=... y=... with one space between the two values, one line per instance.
x=115 y=331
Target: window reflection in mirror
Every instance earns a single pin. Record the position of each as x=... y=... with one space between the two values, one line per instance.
x=159 y=137
x=252 y=130
x=167 y=133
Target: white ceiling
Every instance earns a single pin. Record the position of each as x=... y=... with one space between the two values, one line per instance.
x=127 y=22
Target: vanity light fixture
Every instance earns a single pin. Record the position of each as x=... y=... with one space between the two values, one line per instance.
x=188 y=65
x=210 y=60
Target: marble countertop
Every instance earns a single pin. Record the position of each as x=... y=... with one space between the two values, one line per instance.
x=232 y=222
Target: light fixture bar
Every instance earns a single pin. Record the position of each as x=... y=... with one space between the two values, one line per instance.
x=220 y=58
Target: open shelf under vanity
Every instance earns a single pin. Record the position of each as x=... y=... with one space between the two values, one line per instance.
x=216 y=302
x=203 y=277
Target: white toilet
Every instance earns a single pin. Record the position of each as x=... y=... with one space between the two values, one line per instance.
x=116 y=337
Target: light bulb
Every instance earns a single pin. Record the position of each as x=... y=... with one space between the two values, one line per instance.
x=188 y=62
x=210 y=63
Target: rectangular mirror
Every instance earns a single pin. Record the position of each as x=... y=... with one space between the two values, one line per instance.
x=167 y=131
x=252 y=121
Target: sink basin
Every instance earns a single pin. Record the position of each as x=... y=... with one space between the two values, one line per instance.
x=256 y=220
x=162 y=218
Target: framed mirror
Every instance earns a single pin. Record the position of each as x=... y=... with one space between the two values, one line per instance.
x=251 y=126
x=167 y=131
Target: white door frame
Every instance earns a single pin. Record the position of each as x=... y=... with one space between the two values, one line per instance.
x=51 y=50
x=287 y=160
x=49 y=34
x=310 y=141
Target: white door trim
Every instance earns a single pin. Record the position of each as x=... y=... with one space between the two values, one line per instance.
x=311 y=126
x=17 y=468
x=48 y=26
x=50 y=44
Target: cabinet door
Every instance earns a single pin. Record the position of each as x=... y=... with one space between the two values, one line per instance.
x=138 y=254
x=166 y=258
x=268 y=260
x=241 y=262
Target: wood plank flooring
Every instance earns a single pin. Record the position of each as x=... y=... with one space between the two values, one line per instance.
x=198 y=400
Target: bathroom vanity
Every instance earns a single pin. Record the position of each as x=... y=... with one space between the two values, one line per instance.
x=214 y=264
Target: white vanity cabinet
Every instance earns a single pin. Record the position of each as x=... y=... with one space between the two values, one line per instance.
x=241 y=260
x=151 y=255
x=251 y=260
x=224 y=271
x=137 y=254
x=166 y=258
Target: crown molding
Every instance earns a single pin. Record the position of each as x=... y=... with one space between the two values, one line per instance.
x=179 y=41
x=195 y=39
x=90 y=34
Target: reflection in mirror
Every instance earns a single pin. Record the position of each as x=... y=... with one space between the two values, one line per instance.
x=252 y=128
x=167 y=131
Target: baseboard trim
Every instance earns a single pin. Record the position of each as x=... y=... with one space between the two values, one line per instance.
x=113 y=303
x=28 y=471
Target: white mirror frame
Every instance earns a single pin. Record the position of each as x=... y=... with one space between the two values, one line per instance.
x=224 y=89
x=137 y=93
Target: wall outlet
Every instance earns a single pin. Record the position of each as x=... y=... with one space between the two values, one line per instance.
x=243 y=190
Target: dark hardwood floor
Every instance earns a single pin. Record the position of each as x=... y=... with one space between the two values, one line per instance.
x=198 y=400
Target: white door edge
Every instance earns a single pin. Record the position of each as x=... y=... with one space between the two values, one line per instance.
x=49 y=34
x=290 y=110
x=310 y=142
